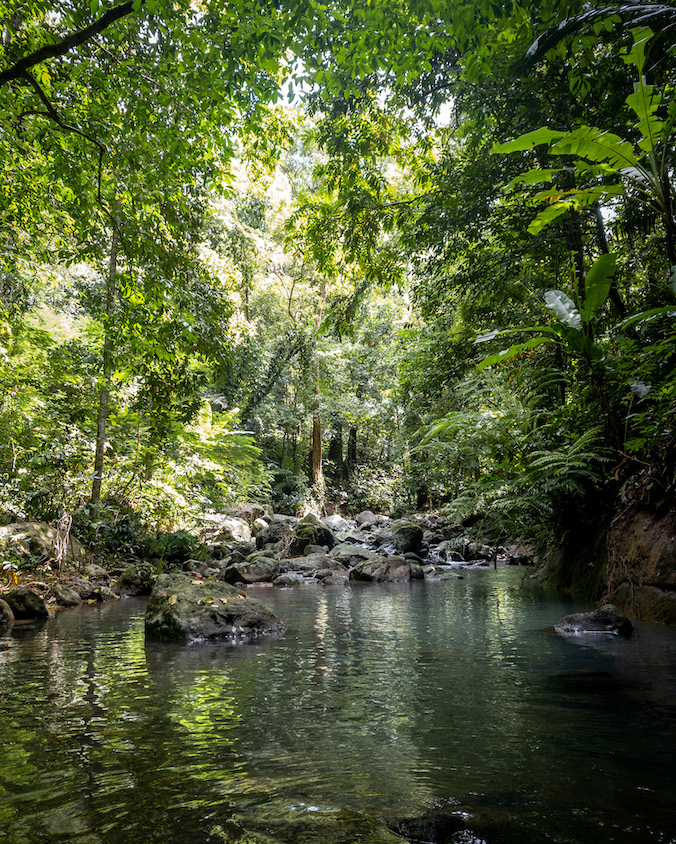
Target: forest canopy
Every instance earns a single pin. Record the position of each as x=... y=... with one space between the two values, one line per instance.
x=335 y=255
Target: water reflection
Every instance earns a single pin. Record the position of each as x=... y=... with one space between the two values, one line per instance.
x=377 y=702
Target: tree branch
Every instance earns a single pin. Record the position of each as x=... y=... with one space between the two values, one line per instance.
x=70 y=42
x=53 y=114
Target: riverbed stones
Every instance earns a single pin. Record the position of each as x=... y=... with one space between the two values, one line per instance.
x=184 y=609
x=608 y=619
x=6 y=617
x=26 y=604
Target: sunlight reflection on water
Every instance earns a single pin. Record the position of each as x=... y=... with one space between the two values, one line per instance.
x=388 y=700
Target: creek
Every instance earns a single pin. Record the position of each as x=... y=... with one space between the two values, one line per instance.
x=379 y=701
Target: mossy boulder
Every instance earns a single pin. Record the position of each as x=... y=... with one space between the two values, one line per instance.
x=38 y=540
x=136 y=579
x=184 y=609
x=6 y=616
x=310 y=531
x=25 y=603
x=404 y=535
x=65 y=596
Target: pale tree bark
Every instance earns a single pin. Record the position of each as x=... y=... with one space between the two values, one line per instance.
x=104 y=397
x=316 y=469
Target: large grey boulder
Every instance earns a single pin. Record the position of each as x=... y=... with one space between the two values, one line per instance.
x=277 y=531
x=382 y=570
x=258 y=567
x=608 y=619
x=184 y=609
x=404 y=535
x=39 y=540
x=336 y=522
x=231 y=529
x=25 y=603
x=367 y=517
x=6 y=616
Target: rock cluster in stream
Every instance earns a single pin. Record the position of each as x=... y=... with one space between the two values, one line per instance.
x=251 y=546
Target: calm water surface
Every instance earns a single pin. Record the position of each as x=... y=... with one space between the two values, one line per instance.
x=378 y=701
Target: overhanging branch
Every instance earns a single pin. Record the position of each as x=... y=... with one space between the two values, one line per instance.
x=70 y=42
x=53 y=115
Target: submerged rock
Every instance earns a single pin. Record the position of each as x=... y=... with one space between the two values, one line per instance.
x=185 y=609
x=430 y=828
x=25 y=603
x=607 y=619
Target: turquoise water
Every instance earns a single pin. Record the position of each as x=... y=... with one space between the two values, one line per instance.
x=378 y=701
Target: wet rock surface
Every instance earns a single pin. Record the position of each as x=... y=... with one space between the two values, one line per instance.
x=185 y=609
x=6 y=617
x=431 y=828
x=26 y=604
x=605 y=620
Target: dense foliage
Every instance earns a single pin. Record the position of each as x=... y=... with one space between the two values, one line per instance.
x=388 y=255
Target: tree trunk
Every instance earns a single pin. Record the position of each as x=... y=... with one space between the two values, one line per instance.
x=316 y=470
x=336 y=453
x=352 y=448
x=104 y=398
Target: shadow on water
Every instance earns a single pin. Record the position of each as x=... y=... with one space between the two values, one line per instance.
x=383 y=713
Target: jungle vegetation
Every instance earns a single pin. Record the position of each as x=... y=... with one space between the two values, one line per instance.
x=331 y=254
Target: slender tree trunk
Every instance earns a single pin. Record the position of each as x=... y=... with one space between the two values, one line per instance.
x=352 y=448
x=316 y=470
x=104 y=398
x=336 y=452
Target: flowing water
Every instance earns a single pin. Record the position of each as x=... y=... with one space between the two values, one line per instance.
x=378 y=702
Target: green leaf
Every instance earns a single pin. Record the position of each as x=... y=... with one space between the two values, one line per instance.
x=597 y=285
x=564 y=308
x=597 y=145
x=528 y=141
x=511 y=352
x=548 y=215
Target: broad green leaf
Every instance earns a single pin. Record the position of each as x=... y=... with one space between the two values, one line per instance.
x=564 y=308
x=548 y=215
x=597 y=285
x=528 y=141
x=511 y=352
x=646 y=316
x=636 y=54
x=597 y=145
